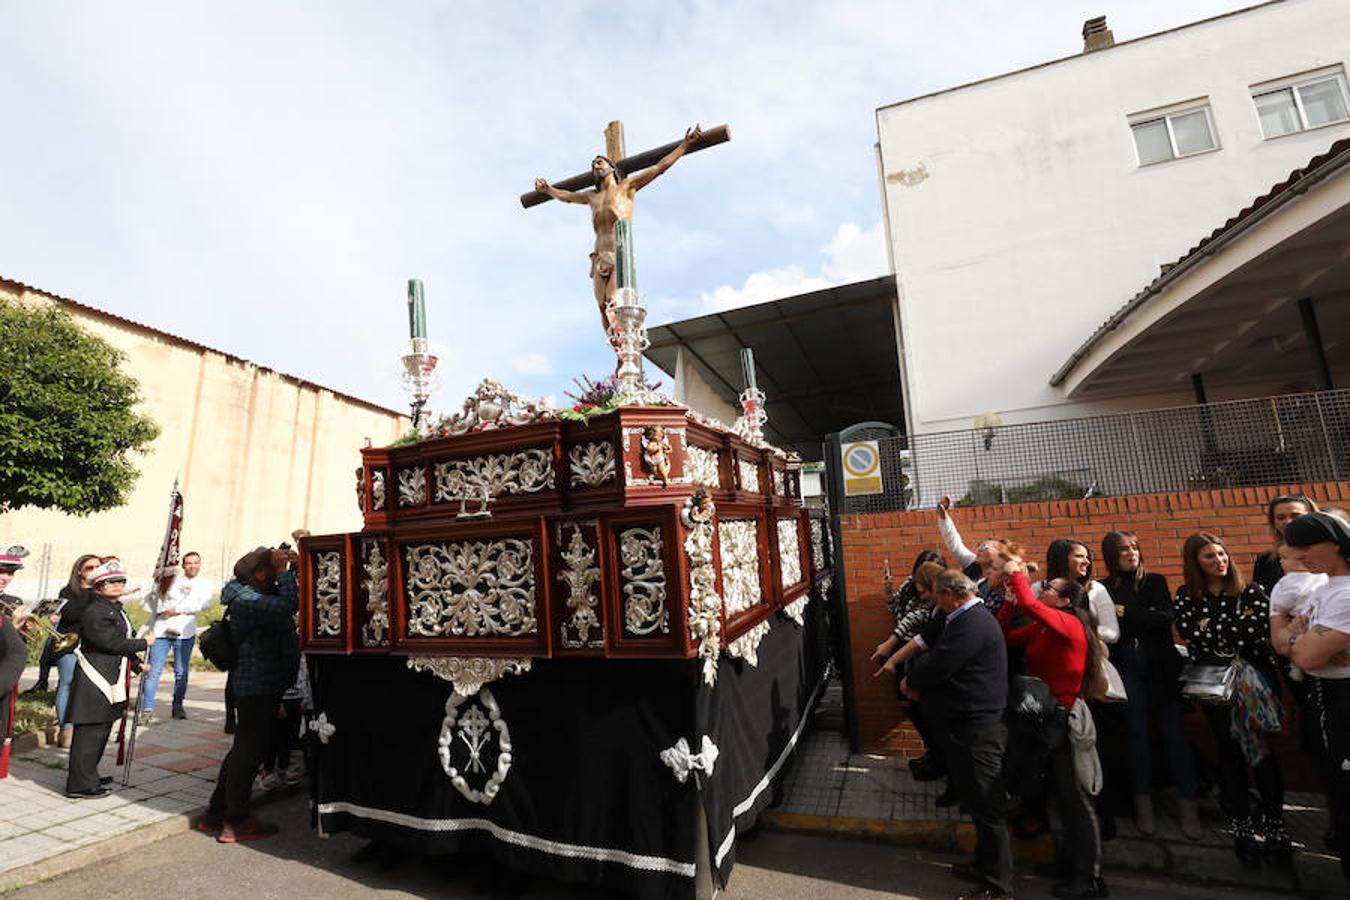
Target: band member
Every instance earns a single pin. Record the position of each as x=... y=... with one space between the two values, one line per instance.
x=13 y=650
x=98 y=694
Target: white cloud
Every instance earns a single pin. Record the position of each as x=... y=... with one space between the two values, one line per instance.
x=850 y=255
x=532 y=364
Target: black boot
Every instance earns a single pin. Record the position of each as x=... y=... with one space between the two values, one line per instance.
x=1244 y=842
x=1278 y=849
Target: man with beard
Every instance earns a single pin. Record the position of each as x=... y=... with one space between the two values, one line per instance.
x=262 y=600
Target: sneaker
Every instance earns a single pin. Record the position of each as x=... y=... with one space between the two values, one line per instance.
x=269 y=781
x=178 y=713
x=147 y=716
x=294 y=774
x=251 y=829
x=1276 y=847
x=1244 y=842
x=39 y=688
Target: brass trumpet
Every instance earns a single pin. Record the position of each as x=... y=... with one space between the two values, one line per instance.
x=37 y=626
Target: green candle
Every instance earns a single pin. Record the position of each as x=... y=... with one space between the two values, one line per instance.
x=748 y=368
x=417 y=310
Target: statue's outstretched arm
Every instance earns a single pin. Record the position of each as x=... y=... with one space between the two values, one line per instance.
x=561 y=195
x=642 y=179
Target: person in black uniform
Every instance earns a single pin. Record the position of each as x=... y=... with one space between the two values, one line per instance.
x=98 y=693
x=13 y=649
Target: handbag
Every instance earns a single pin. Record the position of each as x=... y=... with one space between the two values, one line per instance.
x=1115 y=685
x=1210 y=683
x=218 y=645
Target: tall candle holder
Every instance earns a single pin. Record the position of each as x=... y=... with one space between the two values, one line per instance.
x=753 y=416
x=628 y=336
x=419 y=367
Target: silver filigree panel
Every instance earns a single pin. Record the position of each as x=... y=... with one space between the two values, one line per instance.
x=375 y=633
x=749 y=475
x=789 y=552
x=779 y=488
x=328 y=593
x=377 y=489
x=522 y=472
x=643 y=577
x=412 y=487
x=591 y=464
x=740 y=564
x=702 y=467
x=580 y=574
x=471 y=588
x=817 y=545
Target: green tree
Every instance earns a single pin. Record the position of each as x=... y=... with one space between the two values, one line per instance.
x=68 y=424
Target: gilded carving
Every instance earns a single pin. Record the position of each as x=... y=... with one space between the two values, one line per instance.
x=493 y=406
x=471 y=588
x=643 y=577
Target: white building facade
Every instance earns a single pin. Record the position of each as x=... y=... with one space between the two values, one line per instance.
x=1024 y=210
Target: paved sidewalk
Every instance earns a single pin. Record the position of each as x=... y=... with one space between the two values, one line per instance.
x=830 y=790
x=172 y=775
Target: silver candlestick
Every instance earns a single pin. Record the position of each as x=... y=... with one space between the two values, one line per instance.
x=419 y=369
x=628 y=337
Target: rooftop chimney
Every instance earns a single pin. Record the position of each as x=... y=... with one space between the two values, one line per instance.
x=1096 y=36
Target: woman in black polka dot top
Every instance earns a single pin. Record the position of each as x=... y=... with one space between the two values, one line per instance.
x=1222 y=618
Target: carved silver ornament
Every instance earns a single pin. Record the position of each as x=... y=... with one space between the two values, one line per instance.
x=682 y=762
x=471 y=588
x=470 y=728
x=797 y=608
x=492 y=406
x=323 y=728
x=789 y=552
x=480 y=477
x=579 y=574
x=592 y=464
x=701 y=466
x=375 y=633
x=740 y=563
x=817 y=545
x=328 y=593
x=412 y=487
x=705 y=607
x=468 y=674
x=746 y=646
x=643 y=576
x=377 y=489
x=779 y=489
x=749 y=475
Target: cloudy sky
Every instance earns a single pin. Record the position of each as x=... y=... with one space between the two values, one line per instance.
x=263 y=177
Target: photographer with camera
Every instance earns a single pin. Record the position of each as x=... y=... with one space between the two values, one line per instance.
x=175 y=629
x=262 y=599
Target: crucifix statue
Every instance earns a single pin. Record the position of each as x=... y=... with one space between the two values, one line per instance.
x=616 y=179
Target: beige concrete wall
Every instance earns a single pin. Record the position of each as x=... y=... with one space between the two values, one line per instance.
x=257 y=453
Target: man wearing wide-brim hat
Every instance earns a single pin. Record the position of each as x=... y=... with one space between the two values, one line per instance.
x=105 y=658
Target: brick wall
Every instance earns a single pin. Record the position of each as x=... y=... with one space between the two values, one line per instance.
x=1162 y=521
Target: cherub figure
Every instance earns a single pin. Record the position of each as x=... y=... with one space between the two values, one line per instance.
x=656 y=453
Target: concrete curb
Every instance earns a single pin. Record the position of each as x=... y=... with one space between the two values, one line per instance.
x=115 y=846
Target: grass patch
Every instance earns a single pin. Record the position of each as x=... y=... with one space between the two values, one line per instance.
x=35 y=711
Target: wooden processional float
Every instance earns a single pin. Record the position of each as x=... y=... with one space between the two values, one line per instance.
x=647 y=532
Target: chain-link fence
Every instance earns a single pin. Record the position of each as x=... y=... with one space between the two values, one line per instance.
x=1272 y=440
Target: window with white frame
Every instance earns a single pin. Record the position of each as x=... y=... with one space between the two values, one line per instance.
x=1300 y=103
x=1174 y=133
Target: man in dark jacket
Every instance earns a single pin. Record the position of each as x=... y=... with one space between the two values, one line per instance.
x=964 y=680
x=13 y=649
x=262 y=600
x=98 y=694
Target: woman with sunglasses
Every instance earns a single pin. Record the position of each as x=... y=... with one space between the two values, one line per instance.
x=1280 y=511
x=1224 y=622
x=1061 y=648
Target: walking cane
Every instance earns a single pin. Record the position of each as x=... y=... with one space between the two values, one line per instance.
x=135 y=723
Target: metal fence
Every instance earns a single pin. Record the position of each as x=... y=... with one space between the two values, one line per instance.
x=1271 y=440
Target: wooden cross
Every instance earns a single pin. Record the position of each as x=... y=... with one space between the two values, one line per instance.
x=627 y=165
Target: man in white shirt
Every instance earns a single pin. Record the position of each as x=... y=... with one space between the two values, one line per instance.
x=175 y=628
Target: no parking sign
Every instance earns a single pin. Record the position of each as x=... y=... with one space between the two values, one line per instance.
x=862 y=468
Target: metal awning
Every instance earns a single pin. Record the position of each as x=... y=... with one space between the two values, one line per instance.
x=825 y=360
x=1235 y=309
